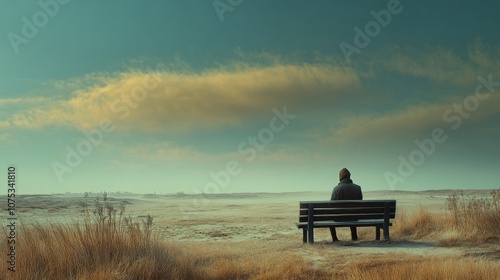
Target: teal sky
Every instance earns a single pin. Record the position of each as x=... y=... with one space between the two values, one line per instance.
x=249 y=96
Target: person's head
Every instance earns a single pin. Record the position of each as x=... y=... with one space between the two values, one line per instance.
x=344 y=174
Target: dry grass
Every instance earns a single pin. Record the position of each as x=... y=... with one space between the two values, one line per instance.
x=418 y=225
x=93 y=251
x=477 y=217
x=107 y=245
x=102 y=247
x=423 y=268
x=468 y=219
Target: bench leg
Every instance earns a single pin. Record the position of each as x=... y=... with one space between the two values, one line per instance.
x=377 y=233
x=386 y=233
x=310 y=233
x=304 y=235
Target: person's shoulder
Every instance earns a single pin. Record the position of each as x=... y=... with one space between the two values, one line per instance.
x=354 y=184
x=358 y=188
x=335 y=193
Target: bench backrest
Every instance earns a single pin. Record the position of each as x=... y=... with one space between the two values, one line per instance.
x=345 y=210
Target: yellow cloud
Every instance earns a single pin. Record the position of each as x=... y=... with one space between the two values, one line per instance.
x=415 y=120
x=163 y=100
x=393 y=125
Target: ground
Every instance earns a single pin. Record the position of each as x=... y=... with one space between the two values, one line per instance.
x=258 y=222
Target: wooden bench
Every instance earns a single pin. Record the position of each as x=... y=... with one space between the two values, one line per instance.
x=346 y=213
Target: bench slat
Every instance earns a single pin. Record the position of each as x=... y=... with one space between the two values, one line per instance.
x=345 y=224
x=346 y=217
x=347 y=203
x=357 y=210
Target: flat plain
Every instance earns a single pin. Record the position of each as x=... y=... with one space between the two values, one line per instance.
x=254 y=236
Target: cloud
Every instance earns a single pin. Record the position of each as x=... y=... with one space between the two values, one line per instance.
x=419 y=120
x=448 y=70
x=170 y=101
x=16 y=101
x=437 y=64
x=393 y=125
x=4 y=124
x=241 y=94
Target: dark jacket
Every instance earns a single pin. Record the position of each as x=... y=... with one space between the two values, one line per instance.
x=347 y=190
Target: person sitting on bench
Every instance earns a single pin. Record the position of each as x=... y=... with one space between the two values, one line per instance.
x=346 y=190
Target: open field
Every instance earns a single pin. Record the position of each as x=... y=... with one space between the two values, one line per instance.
x=251 y=236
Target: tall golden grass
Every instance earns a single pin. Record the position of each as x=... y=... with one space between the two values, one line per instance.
x=104 y=246
x=107 y=245
x=477 y=217
x=468 y=219
x=422 y=268
x=94 y=251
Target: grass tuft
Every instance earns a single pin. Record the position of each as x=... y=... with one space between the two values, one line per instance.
x=476 y=217
x=104 y=246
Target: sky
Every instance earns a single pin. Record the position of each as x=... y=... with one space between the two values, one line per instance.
x=233 y=96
